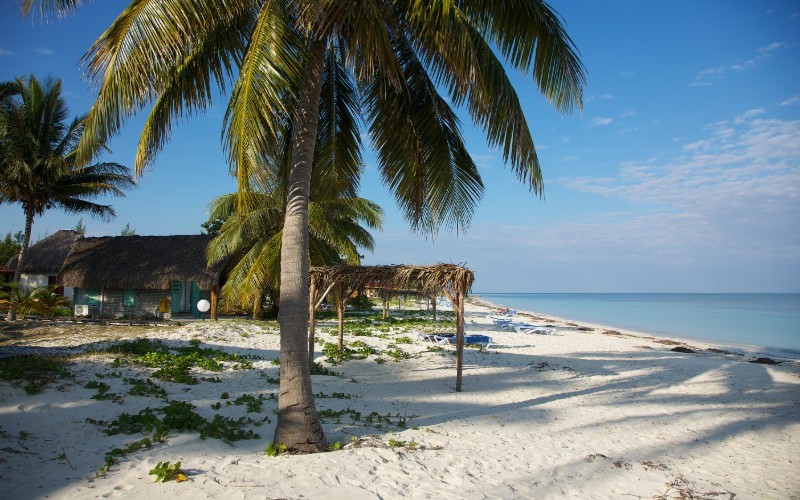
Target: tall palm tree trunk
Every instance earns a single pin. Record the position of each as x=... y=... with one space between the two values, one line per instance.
x=298 y=425
x=23 y=252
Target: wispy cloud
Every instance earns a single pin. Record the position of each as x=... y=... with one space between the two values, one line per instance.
x=734 y=191
x=707 y=76
x=42 y=51
x=747 y=115
x=599 y=121
x=485 y=160
x=4 y=52
x=792 y=101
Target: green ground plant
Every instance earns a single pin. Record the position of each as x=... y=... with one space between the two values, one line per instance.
x=34 y=372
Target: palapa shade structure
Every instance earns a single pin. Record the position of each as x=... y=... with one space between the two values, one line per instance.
x=452 y=280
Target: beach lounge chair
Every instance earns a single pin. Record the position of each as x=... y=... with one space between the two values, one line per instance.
x=533 y=329
x=482 y=340
x=427 y=337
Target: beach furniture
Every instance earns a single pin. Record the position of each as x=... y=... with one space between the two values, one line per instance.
x=533 y=329
x=482 y=340
x=501 y=322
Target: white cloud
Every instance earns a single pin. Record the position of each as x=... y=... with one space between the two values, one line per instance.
x=485 y=160
x=736 y=191
x=628 y=114
x=4 y=52
x=600 y=121
x=706 y=77
x=792 y=101
x=747 y=115
x=42 y=51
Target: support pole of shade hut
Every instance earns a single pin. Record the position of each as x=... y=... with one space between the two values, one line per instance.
x=459 y=337
x=312 y=293
x=214 y=302
x=340 y=300
x=433 y=306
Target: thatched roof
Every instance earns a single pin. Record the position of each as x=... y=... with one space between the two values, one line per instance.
x=47 y=255
x=141 y=262
x=426 y=279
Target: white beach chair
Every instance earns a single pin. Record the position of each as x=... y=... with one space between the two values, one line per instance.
x=532 y=329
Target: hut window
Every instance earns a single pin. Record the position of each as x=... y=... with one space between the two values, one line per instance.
x=92 y=297
x=129 y=298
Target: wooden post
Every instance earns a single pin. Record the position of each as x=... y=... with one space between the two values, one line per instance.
x=312 y=293
x=340 y=300
x=385 y=307
x=459 y=337
x=214 y=302
x=433 y=306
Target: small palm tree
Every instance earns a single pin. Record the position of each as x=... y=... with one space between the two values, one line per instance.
x=37 y=158
x=18 y=299
x=47 y=302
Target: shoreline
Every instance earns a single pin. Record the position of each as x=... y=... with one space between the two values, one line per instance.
x=582 y=414
x=744 y=349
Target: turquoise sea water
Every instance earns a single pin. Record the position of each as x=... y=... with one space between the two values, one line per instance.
x=762 y=320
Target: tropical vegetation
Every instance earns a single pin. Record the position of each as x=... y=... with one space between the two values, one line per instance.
x=37 y=158
x=393 y=62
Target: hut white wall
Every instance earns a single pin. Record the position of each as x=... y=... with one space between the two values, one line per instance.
x=36 y=280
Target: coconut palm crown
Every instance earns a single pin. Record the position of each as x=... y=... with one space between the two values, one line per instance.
x=400 y=57
x=37 y=157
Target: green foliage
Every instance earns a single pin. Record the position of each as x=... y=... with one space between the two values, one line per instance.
x=403 y=340
x=9 y=247
x=318 y=369
x=48 y=303
x=409 y=445
x=396 y=353
x=165 y=472
x=102 y=392
x=274 y=450
x=128 y=230
x=254 y=404
x=361 y=302
x=21 y=300
x=175 y=367
x=36 y=372
x=228 y=430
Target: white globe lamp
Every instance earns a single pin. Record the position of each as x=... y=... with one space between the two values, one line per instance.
x=203 y=306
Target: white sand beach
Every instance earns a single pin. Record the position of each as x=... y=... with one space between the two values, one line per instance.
x=586 y=413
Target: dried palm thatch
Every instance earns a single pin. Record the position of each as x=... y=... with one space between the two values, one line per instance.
x=453 y=280
x=47 y=255
x=140 y=262
x=449 y=278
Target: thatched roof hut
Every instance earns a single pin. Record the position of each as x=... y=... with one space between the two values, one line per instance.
x=47 y=255
x=140 y=262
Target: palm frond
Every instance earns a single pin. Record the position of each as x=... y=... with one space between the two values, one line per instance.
x=422 y=156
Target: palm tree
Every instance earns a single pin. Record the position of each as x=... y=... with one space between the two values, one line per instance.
x=398 y=55
x=335 y=236
x=37 y=158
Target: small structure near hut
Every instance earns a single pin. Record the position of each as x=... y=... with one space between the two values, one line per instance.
x=452 y=280
x=44 y=260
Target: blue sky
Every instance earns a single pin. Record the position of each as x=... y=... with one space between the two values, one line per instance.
x=681 y=174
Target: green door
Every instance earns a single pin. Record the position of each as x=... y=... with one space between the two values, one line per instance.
x=176 y=297
x=195 y=299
